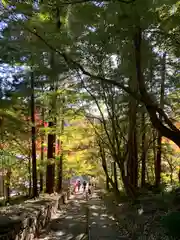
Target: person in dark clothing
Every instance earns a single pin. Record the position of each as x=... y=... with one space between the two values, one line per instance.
x=89 y=189
x=79 y=185
x=84 y=185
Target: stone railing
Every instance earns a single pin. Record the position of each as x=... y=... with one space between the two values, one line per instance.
x=25 y=221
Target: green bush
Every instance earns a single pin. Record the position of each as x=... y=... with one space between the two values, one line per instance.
x=171 y=223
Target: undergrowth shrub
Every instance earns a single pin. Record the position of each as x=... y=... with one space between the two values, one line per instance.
x=171 y=224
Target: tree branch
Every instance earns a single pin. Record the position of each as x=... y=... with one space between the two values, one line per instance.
x=71 y=63
x=97 y=1
x=172 y=133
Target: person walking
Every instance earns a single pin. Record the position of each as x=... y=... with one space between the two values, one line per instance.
x=79 y=185
x=75 y=187
x=84 y=186
x=89 y=189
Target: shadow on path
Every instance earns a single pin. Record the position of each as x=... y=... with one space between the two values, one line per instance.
x=103 y=225
x=69 y=223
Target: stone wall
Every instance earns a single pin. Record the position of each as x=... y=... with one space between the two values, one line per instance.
x=24 y=222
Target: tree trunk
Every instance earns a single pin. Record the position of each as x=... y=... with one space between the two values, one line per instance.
x=170 y=132
x=42 y=160
x=105 y=168
x=143 y=156
x=112 y=169
x=107 y=183
x=60 y=173
x=29 y=169
x=171 y=173
x=154 y=135
x=42 y=154
x=132 y=163
x=60 y=169
x=33 y=138
x=50 y=171
x=158 y=161
x=159 y=140
x=60 y=144
x=115 y=175
x=8 y=180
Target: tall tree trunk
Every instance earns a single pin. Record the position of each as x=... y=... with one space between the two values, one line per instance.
x=154 y=136
x=143 y=155
x=104 y=165
x=158 y=161
x=115 y=175
x=171 y=171
x=42 y=160
x=107 y=183
x=132 y=140
x=50 y=170
x=42 y=154
x=159 y=140
x=8 y=180
x=112 y=169
x=33 y=138
x=60 y=168
x=129 y=189
x=60 y=144
x=30 y=170
x=105 y=168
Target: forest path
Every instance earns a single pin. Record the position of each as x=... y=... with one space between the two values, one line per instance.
x=103 y=226
x=70 y=223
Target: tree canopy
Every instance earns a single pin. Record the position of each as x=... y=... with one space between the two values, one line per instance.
x=90 y=87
